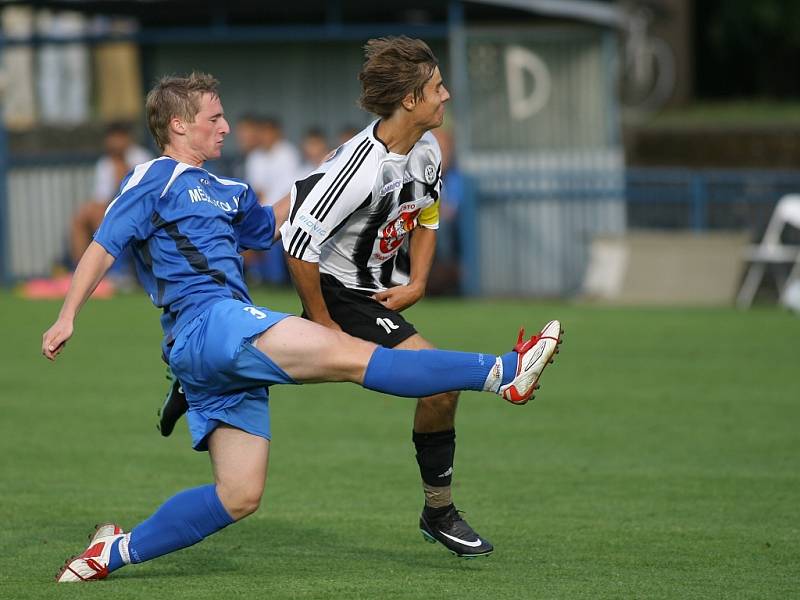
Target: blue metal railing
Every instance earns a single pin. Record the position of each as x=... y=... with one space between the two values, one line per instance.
x=705 y=199
x=46 y=191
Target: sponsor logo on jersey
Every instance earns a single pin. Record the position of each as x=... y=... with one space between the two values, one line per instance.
x=392 y=186
x=311 y=226
x=198 y=194
x=410 y=206
x=396 y=184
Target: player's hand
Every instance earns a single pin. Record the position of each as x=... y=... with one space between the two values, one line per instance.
x=55 y=338
x=399 y=297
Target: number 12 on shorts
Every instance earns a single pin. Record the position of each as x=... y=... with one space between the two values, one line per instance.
x=386 y=324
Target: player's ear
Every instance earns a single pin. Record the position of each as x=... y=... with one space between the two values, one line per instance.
x=409 y=102
x=177 y=125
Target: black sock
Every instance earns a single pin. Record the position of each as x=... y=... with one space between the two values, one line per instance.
x=435 y=453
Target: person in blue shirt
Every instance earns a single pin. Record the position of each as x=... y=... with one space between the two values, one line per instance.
x=186 y=227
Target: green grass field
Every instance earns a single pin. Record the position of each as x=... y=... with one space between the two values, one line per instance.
x=661 y=459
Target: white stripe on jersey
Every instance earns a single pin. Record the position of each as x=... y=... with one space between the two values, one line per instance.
x=354 y=212
x=176 y=172
x=224 y=181
x=138 y=174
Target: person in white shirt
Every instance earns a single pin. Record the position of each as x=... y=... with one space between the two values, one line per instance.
x=120 y=156
x=272 y=166
x=271 y=169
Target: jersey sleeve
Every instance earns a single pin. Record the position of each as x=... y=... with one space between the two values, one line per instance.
x=323 y=201
x=426 y=168
x=255 y=226
x=429 y=217
x=129 y=217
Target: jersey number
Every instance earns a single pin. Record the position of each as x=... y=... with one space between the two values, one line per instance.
x=386 y=324
x=255 y=312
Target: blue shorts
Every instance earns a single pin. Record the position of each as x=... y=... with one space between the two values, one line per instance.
x=222 y=373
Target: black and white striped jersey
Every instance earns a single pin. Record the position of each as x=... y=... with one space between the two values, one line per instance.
x=354 y=212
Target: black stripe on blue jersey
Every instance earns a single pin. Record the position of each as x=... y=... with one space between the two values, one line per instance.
x=365 y=241
x=188 y=250
x=147 y=259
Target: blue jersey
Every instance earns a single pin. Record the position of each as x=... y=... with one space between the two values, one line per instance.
x=186 y=227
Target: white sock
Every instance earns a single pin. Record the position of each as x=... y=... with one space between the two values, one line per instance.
x=495 y=377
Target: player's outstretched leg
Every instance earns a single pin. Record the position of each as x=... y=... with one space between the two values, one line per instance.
x=174 y=406
x=239 y=460
x=514 y=376
x=308 y=352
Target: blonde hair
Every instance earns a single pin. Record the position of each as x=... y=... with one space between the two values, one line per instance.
x=176 y=96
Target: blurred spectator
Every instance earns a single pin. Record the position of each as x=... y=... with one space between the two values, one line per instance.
x=314 y=148
x=445 y=274
x=247 y=140
x=270 y=168
x=121 y=155
x=346 y=133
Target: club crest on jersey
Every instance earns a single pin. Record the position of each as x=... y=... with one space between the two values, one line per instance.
x=430 y=174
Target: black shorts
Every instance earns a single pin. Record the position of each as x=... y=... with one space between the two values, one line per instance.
x=361 y=316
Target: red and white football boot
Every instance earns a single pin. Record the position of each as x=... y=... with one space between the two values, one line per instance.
x=532 y=357
x=93 y=563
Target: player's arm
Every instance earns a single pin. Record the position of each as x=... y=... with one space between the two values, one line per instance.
x=420 y=252
x=319 y=207
x=281 y=210
x=260 y=225
x=93 y=265
x=305 y=276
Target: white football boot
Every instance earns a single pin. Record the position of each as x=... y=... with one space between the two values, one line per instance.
x=532 y=357
x=92 y=564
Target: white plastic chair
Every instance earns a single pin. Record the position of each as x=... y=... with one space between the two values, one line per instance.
x=772 y=251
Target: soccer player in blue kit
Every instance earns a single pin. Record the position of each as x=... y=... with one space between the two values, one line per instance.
x=186 y=227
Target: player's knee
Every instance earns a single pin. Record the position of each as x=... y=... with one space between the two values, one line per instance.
x=242 y=502
x=349 y=358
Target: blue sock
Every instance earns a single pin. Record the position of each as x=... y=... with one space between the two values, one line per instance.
x=115 y=560
x=181 y=521
x=419 y=373
x=509 y=366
